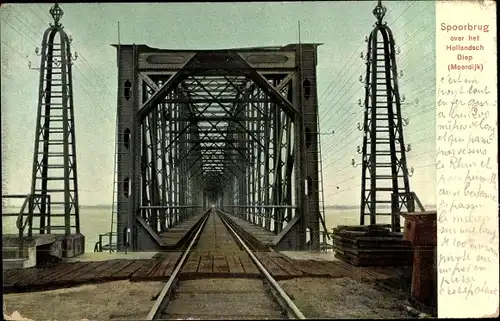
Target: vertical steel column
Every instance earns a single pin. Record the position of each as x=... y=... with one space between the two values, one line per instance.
x=127 y=135
x=260 y=172
x=242 y=181
x=253 y=157
x=136 y=155
x=310 y=114
x=175 y=160
x=170 y=175
x=163 y=180
x=307 y=144
x=181 y=164
x=267 y=131
x=277 y=164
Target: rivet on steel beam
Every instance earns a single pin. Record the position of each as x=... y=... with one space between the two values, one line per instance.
x=358 y=149
x=408 y=148
x=401 y=74
x=411 y=171
x=353 y=163
x=360 y=127
x=360 y=103
x=37 y=51
x=398 y=51
x=403 y=98
x=406 y=121
x=361 y=78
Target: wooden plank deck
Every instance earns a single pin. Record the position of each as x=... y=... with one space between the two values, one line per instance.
x=258 y=232
x=176 y=234
x=197 y=265
x=234 y=265
x=216 y=255
x=69 y=274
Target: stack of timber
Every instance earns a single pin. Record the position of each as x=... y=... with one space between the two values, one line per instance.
x=371 y=245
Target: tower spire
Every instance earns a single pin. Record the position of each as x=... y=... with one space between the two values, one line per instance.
x=54 y=162
x=56 y=12
x=379 y=12
x=385 y=188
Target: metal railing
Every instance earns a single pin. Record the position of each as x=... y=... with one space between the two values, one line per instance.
x=110 y=246
x=167 y=216
x=98 y=247
x=265 y=215
x=173 y=219
x=31 y=201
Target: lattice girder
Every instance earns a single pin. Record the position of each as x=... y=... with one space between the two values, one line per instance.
x=236 y=142
x=54 y=164
x=384 y=170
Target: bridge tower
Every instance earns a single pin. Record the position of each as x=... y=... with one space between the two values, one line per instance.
x=54 y=161
x=385 y=188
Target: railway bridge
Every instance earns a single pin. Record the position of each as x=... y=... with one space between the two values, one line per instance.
x=217 y=170
x=233 y=129
x=217 y=173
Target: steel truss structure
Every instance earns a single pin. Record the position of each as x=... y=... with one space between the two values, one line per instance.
x=54 y=176
x=385 y=188
x=236 y=129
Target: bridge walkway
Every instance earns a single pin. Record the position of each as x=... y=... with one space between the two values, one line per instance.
x=254 y=233
x=174 y=237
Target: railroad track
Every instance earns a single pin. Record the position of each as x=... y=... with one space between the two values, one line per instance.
x=221 y=298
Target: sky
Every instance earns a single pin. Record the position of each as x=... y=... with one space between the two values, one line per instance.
x=340 y=25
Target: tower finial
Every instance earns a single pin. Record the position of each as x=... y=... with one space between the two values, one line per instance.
x=56 y=12
x=379 y=12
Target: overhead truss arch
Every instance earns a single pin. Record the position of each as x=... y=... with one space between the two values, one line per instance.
x=224 y=128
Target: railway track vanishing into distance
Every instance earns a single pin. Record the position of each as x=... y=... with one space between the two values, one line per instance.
x=221 y=298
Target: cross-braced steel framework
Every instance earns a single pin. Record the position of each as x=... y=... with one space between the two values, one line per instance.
x=385 y=188
x=236 y=129
x=54 y=174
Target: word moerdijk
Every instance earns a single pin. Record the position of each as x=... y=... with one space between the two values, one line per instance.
x=461 y=47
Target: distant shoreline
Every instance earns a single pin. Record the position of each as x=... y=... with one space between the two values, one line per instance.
x=95 y=206
x=356 y=207
x=81 y=206
x=335 y=207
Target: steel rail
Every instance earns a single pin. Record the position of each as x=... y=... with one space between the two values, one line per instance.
x=160 y=301
x=289 y=303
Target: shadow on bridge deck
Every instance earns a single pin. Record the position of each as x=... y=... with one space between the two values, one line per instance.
x=175 y=236
x=258 y=236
